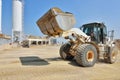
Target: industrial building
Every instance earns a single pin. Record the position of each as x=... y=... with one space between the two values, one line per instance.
x=17 y=23
x=17 y=28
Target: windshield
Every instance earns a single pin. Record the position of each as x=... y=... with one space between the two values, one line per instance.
x=89 y=30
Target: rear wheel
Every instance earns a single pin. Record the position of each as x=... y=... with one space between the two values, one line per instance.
x=86 y=55
x=111 y=56
x=64 y=52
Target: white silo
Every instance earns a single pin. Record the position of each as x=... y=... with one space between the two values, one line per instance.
x=17 y=30
x=0 y=16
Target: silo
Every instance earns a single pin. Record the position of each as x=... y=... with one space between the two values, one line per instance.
x=17 y=29
x=0 y=16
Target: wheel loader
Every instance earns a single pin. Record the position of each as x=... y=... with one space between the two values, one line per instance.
x=86 y=45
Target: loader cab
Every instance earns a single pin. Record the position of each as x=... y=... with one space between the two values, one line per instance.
x=97 y=31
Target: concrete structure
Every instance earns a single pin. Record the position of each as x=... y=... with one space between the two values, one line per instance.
x=17 y=31
x=39 y=41
x=0 y=16
x=35 y=40
x=45 y=41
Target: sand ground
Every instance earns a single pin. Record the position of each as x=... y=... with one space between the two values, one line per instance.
x=44 y=63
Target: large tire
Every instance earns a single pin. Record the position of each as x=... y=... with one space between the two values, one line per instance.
x=111 y=56
x=86 y=55
x=64 y=52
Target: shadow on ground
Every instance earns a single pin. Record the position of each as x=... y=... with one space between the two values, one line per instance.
x=74 y=63
x=32 y=61
x=36 y=61
x=55 y=59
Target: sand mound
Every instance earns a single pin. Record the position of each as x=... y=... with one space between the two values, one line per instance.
x=117 y=42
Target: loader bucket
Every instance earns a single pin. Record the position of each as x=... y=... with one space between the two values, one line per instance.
x=55 y=21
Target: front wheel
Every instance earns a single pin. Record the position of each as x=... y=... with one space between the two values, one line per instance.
x=64 y=52
x=86 y=55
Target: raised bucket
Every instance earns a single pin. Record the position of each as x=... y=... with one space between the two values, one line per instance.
x=55 y=21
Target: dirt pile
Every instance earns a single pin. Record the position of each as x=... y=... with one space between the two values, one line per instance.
x=117 y=42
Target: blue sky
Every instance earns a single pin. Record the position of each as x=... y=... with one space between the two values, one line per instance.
x=85 y=11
